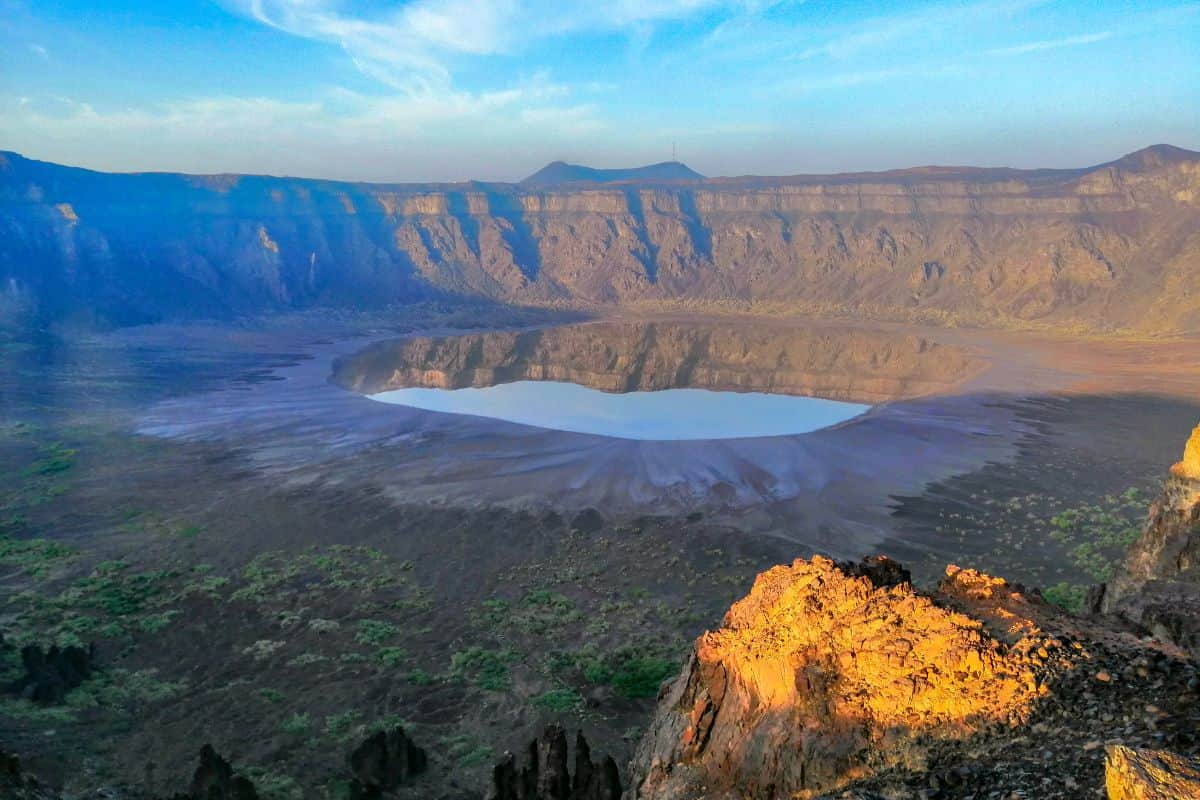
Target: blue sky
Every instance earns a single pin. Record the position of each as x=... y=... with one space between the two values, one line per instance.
x=493 y=89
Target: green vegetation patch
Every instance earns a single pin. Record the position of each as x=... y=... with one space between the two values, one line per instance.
x=111 y=601
x=634 y=672
x=487 y=668
x=392 y=656
x=1066 y=595
x=465 y=751
x=276 y=576
x=54 y=458
x=297 y=724
x=559 y=701
x=641 y=677
x=272 y=785
x=124 y=689
x=541 y=612
x=35 y=557
x=1096 y=538
x=375 y=632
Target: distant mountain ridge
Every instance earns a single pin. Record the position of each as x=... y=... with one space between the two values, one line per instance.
x=560 y=172
x=1115 y=246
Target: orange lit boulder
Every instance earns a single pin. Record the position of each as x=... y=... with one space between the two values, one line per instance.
x=1189 y=467
x=827 y=673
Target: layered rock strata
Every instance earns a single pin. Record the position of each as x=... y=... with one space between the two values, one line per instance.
x=1096 y=248
x=836 y=363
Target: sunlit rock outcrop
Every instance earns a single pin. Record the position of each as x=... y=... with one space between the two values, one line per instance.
x=825 y=674
x=1189 y=467
x=1150 y=775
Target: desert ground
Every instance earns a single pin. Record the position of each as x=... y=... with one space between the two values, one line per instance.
x=274 y=564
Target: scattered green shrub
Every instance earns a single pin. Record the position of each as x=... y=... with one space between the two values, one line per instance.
x=297 y=724
x=375 y=632
x=641 y=677
x=391 y=656
x=1066 y=595
x=420 y=677
x=489 y=668
x=273 y=696
x=337 y=725
x=560 y=700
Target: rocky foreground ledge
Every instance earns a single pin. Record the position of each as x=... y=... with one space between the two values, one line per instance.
x=831 y=677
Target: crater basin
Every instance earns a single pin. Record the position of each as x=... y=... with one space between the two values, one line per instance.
x=665 y=381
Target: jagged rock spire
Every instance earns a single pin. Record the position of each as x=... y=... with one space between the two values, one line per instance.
x=546 y=775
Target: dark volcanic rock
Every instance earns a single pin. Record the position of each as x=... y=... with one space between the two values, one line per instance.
x=546 y=775
x=51 y=674
x=15 y=784
x=881 y=571
x=592 y=782
x=589 y=521
x=385 y=761
x=214 y=780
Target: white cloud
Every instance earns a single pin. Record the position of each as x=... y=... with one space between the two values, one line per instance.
x=67 y=116
x=413 y=47
x=1051 y=44
x=40 y=51
x=343 y=134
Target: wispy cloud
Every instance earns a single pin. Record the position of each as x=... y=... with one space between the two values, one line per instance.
x=1051 y=44
x=39 y=51
x=413 y=47
x=877 y=32
x=253 y=134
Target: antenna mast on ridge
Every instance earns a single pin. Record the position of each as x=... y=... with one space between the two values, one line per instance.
x=672 y=150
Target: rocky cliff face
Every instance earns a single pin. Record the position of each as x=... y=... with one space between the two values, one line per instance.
x=829 y=677
x=845 y=364
x=1111 y=246
x=1158 y=585
x=819 y=676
